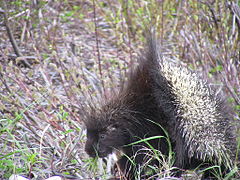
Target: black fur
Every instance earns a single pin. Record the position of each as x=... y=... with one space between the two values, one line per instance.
x=129 y=117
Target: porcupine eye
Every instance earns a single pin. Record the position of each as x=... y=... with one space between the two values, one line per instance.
x=102 y=136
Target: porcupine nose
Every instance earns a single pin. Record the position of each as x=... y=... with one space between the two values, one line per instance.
x=91 y=149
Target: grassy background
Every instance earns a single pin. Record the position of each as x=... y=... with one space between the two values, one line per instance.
x=74 y=51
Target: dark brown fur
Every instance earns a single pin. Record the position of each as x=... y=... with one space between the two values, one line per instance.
x=129 y=116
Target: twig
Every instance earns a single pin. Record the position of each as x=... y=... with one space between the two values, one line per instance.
x=98 y=51
x=235 y=10
x=10 y=35
x=24 y=27
x=11 y=38
x=215 y=20
x=15 y=16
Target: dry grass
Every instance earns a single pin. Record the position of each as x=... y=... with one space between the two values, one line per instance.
x=80 y=50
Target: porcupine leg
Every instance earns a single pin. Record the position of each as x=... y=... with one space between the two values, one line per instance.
x=209 y=174
x=129 y=168
x=126 y=168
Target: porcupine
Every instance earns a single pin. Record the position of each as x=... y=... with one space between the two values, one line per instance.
x=163 y=95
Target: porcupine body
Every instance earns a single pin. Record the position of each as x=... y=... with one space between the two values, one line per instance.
x=163 y=95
